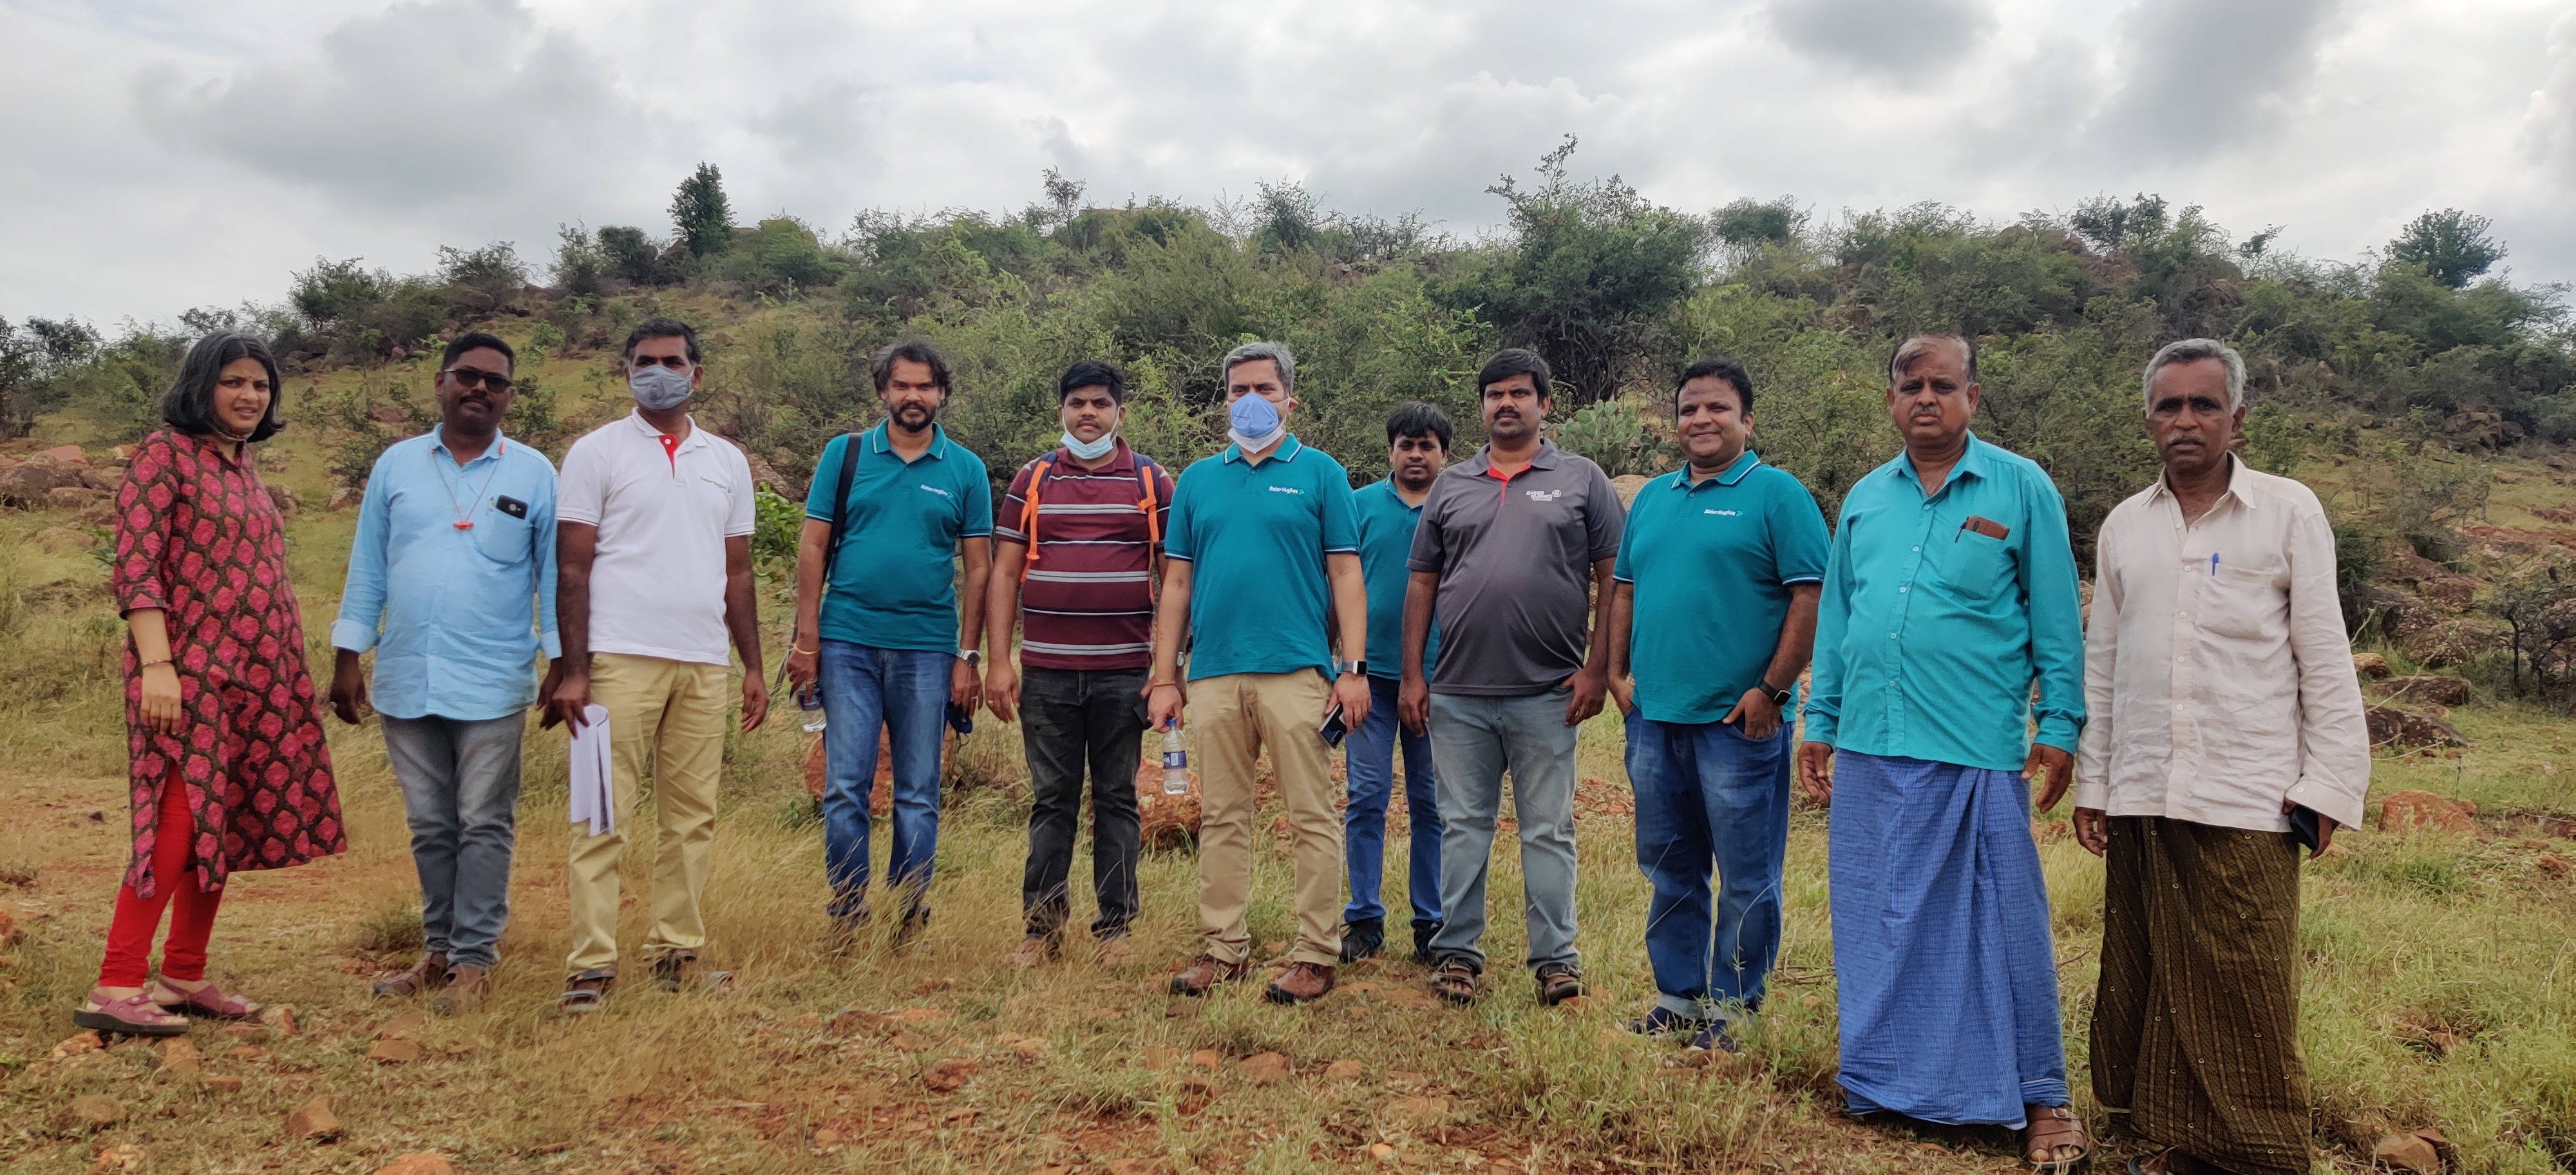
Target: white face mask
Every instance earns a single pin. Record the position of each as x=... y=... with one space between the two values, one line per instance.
x=1090 y=450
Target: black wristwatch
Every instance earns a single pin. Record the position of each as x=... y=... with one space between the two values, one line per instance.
x=1779 y=697
x=1351 y=668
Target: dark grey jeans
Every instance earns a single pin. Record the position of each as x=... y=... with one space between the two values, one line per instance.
x=1070 y=719
x=460 y=784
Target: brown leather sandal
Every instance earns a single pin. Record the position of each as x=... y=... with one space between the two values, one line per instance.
x=586 y=992
x=424 y=975
x=1453 y=980
x=2053 y=1133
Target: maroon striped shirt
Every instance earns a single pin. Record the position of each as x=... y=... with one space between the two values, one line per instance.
x=1088 y=602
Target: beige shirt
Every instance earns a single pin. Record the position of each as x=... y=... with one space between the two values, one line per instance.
x=2217 y=678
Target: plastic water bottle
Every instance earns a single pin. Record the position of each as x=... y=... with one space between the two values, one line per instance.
x=1176 y=763
x=811 y=702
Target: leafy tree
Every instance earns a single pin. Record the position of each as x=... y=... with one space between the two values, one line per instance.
x=701 y=213
x=1592 y=270
x=634 y=257
x=2452 y=246
x=335 y=292
x=482 y=279
x=581 y=267
x=1752 y=223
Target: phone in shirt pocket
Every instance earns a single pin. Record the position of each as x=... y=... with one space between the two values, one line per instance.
x=1980 y=563
x=502 y=530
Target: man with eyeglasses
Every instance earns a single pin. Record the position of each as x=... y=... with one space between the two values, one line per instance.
x=452 y=583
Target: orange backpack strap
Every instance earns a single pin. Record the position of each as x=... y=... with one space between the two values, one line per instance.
x=1029 y=511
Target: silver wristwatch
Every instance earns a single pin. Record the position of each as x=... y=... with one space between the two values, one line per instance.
x=974 y=658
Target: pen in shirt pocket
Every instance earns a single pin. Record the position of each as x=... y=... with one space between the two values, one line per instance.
x=2213 y=562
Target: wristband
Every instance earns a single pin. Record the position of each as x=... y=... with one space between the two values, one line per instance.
x=150 y=664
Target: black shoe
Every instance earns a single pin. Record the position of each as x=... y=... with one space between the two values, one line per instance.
x=1422 y=935
x=1713 y=1037
x=1363 y=938
x=1662 y=1021
x=915 y=924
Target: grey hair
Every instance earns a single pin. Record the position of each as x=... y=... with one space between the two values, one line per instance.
x=1916 y=346
x=2193 y=351
x=1277 y=353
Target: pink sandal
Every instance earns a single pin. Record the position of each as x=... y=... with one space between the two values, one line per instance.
x=133 y=1015
x=210 y=1002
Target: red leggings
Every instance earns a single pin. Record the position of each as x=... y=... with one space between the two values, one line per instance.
x=129 y=934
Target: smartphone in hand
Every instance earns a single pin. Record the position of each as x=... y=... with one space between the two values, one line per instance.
x=1335 y=727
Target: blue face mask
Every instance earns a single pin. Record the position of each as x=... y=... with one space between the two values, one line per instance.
x=658 y=388
x=1090 y=450
x=1254 y=422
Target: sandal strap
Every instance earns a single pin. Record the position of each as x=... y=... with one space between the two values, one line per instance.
x=216 y=1000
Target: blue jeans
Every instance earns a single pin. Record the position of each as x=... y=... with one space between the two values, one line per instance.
x=460 y=785
x=1475 y=740
x=1371 y=769
x=1708 y=795
x=904 y=691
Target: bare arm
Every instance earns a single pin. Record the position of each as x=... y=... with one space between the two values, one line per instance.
x=1001 y=615
x=965 y=686
x=1592 y=682
x=1788 y=659
x=1350 y=615
x=801 y=637
x=1623 y=685
x=576 y=547
x=1164 y=698
x=1413 y=694
x=742 y=619
x=150 y=629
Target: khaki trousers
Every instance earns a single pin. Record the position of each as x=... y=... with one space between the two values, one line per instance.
x=1234 y=717
x=672 y=715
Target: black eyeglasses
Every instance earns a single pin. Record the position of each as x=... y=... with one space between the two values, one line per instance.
x=468 y=377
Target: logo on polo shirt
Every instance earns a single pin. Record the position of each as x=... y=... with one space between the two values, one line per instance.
x=1284 y=489
x=936 y=490
x=1723 y=513
x=1544 y=495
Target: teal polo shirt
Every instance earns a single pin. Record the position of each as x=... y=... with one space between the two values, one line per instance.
x=895 y=583
x=1255 y=537
x=1386 y=540
x=1930 y=635
x=1711 y=565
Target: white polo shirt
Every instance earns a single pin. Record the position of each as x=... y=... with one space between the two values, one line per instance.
x=664 y=510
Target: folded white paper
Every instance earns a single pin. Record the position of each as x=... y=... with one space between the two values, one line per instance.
x=594 y=792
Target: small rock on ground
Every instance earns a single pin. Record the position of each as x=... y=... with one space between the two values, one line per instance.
x=418 y=1163
x=314 y=1120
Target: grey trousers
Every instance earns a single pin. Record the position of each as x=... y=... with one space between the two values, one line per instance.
x=460 y=784
x=1474 y=740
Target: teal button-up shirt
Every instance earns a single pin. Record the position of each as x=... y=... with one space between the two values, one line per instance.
x=1931 y=631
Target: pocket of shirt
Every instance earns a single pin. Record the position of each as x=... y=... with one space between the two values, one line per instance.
x=502 y=538
x=2242 y=603
x=1979 y=568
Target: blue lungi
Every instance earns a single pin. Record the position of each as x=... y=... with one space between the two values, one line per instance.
x=1942 y=955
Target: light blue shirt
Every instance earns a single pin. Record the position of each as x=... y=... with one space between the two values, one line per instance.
x=1932 y=629
x=463 y=611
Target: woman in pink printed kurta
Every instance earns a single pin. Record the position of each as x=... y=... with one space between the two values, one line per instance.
x=229 y=770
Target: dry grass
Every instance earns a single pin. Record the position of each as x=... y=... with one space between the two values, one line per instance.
x=2407 y=938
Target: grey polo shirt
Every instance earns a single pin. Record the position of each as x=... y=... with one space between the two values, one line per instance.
x=1515 y=563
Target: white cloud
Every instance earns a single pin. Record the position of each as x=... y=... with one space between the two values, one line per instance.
x=166 y=154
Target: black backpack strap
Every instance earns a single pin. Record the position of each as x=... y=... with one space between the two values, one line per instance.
x=840 y=505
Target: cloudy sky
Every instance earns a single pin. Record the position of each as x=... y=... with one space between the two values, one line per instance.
x=164 y=154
